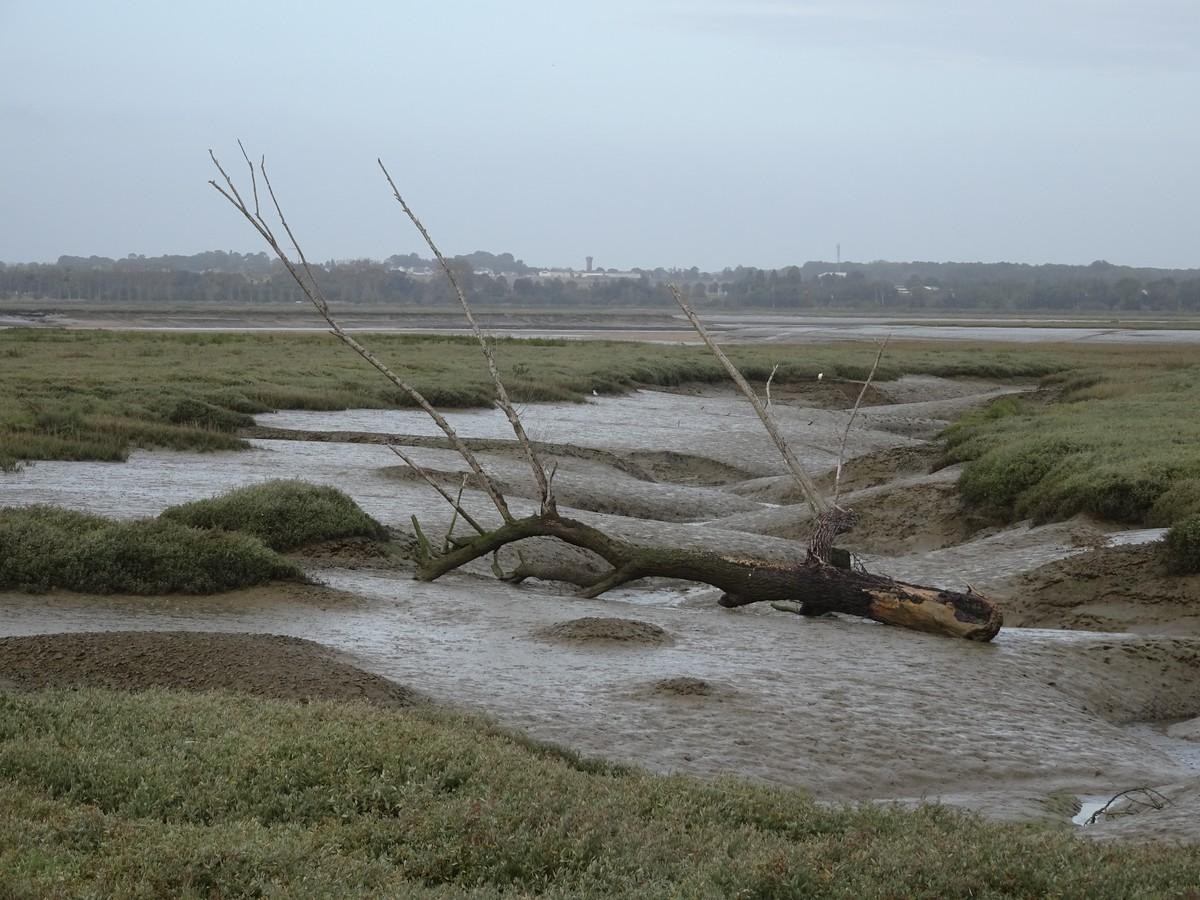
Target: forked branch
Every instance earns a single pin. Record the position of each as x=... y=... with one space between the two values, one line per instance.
x=545 y=489
x=302 y=274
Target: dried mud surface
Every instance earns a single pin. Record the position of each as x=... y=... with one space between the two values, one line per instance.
x=264 y=665
x=605 y=630
x=1106 y=589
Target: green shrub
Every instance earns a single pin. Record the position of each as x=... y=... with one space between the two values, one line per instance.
x=1183 y=546
x=282 y=514
x=999 y=479
x=1181 y=501
x=44 y=547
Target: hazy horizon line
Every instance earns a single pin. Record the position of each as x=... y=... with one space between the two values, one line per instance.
x=598 y=263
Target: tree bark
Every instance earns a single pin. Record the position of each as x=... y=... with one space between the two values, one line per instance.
x=818 y=586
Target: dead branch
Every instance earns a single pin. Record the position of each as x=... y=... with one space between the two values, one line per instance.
x=770 y=378
x=837 y=477
x=502 y=400
x=429 y=479
x=807 y=487
x=308 y=284
x=818 y=587
x=462 y=486
x=1139 y=799
x=816 y=584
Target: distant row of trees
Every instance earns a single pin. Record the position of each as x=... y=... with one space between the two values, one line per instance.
x=254 y=279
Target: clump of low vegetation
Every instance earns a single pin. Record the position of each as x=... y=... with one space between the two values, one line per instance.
x=1183 y=546
x=167 y=794
x=1117 y=442
x=45 y=547
x=283 y=514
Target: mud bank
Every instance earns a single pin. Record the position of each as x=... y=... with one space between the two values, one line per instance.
x=823 y=704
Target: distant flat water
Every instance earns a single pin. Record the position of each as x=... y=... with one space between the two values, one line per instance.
x=847 y=328
x=748 y=327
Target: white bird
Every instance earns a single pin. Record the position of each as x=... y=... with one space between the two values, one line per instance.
x=820 y=375
x=595 y=393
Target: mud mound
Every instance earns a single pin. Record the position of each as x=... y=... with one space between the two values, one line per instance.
x=882 y=466
x=356 y=553
x=265 y=665
x=601 y=629
x=911 y=519
x=1106 y=589
x=913 y=515
x=683 y=686
x=683 y=468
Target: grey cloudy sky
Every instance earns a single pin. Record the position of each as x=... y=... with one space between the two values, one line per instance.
x=659 y=132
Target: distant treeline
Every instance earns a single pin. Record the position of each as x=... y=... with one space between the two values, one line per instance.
x=502 y=280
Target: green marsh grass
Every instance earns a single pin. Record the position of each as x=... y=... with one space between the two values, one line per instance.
x=1183 y=546
x=165 y=794
x=98 y=394
x=44 y=547
x=283 y=514
x=1118 y=438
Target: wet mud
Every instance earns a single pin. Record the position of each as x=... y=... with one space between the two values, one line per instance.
x=823 y=703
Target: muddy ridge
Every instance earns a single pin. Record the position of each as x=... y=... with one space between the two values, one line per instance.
x=264 y=665
x=606 y=630
x=1105 y=589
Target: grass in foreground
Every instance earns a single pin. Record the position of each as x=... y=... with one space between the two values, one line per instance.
x=98 y=394
x=163 y=794
x=283 y=514
x=1118 y=438
x=45 y=547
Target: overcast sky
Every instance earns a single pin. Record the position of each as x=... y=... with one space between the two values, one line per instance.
x=642 y=132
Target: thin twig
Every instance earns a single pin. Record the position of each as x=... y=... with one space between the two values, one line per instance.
x=462 y=486
x=437 y=487
x=837 y=477
x=502 y=400
x=1153 y=800
x=308 y=284
x=770 y=378
x=807 y=487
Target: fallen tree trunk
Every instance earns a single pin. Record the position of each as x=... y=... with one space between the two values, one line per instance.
x=817 y=586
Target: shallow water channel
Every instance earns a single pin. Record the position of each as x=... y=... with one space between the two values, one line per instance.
x=847 y=709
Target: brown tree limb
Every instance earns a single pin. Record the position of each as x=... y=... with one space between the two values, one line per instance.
x=502 y=400
x=458 y=510
x=820 y=588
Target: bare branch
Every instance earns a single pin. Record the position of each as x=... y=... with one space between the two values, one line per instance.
x=253 y=180
x=462 y=486
x=458 y=510
x=502 y=400
x=770 y=378
x=837 y=477
x=308 y=284
x=802 y=478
